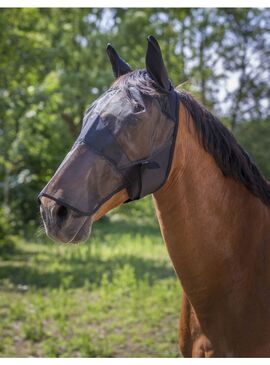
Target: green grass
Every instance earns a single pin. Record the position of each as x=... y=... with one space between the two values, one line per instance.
x=115 y=296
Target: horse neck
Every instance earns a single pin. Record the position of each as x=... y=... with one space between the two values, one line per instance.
x=207 y=221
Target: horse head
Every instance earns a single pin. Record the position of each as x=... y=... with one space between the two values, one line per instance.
x=123 y=152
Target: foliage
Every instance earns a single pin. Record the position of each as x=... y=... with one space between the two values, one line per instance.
x=7 y=245
x=255 y=137
x=117 y=297
x=245 y=52
x=7 y=242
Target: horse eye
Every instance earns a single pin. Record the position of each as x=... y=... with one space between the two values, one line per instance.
x=138 y=108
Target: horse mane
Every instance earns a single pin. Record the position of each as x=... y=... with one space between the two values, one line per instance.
x=215 y=138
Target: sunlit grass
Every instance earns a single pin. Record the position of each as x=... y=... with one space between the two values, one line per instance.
x=116 y=296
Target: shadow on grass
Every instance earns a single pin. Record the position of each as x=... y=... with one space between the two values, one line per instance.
x=100 y=229
x=83 y=272
x=73 y=271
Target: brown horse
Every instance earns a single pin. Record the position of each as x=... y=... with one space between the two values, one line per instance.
x=213 y=211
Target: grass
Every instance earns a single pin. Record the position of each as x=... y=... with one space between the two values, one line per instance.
x=115 y=296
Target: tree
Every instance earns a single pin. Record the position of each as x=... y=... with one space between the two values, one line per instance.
x=245 y=52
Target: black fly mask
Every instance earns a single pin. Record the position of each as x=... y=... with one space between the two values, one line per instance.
x=126 y=141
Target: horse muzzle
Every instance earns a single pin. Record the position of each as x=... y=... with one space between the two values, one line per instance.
x=62 y=224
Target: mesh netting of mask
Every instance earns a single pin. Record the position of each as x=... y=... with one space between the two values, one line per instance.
x=126 y=141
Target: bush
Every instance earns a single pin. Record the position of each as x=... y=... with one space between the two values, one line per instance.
x=7 y=241
x=7 y=245
x=4 y=226
x=255 y=138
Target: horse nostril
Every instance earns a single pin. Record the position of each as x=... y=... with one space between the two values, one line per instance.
x=62 y=214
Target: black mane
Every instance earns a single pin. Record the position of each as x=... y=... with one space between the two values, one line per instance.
x=216 y=139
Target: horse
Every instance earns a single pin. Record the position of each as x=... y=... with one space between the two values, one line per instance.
x=212 y=205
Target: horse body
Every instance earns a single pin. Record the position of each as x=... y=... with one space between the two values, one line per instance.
x=218 y=237
x=213 y=209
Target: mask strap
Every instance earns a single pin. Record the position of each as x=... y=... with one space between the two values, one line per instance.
x=134 y=190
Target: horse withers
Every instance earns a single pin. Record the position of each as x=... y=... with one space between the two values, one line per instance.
x=213 y=205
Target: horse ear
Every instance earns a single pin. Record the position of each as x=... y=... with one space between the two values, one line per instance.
x=155 y=65
x=119 y=66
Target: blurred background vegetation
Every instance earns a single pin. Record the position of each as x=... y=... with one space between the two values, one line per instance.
x=53 y=64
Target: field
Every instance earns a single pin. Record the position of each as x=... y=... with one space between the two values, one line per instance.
x=115 y=296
